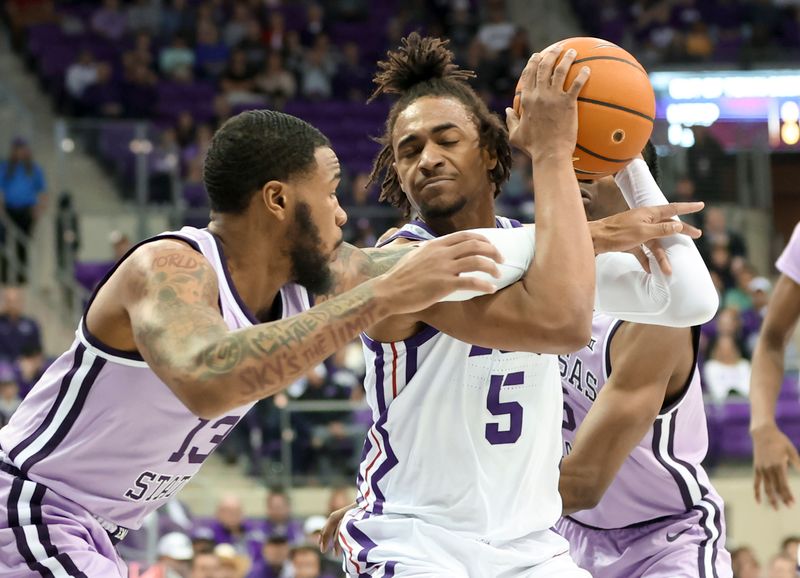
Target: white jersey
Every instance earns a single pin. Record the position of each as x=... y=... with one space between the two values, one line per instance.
x=464 y=438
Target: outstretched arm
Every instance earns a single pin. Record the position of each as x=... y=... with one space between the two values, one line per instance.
x=172 y=304
x=624 y=410
x=684 y=298
x=772 y=450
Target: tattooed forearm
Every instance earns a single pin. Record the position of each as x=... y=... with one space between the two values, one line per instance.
x=354 y=266
x=185 y=340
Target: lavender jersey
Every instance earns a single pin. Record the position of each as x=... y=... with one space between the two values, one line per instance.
x=789 y=261
x=101 y=429
x=464 y=438
x=662 y=476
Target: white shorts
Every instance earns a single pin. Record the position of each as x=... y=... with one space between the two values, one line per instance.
x=386 y=546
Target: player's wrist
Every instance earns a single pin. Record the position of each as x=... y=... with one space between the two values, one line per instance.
x=761 y=425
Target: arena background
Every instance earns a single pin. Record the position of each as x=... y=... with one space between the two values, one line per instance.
x=117 y=102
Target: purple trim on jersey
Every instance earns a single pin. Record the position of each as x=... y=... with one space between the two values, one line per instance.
x=387 y=464
x=379 y=393
x=70 y=418
x=234 y=292
x=360 y=479
x=35 y=507
x=399 y=235
x=424 y=335
x=134 y=355
x=411 y=363
x=611 y=333
x=513 y=222
x=658 y=433
x=364 y=541
x=62 y=392
x=695 y=369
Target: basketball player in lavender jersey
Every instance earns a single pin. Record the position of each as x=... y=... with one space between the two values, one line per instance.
x=773 y=451
x=188 y=331
x=636 y=500
x=465 y=412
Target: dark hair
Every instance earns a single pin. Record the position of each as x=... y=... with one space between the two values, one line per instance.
x=788 y=540
x=651 y=158
x=253 y=148
x=424 y=67
x=305 y=548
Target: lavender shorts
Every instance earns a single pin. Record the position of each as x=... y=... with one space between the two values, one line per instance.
x=45 y=535
x=690 y=545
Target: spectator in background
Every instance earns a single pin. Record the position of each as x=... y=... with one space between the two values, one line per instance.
x=252 y=46
x=120 y=243
x=745 y=564
x=759 y=289
x=738 y=296
x=22 y=185
x=185 y=129
x=789 y=547
x=312 y=528
x=31 y=364
x=699 y=45
x=177 y=60
x=315 y=25
x=203 y=540
x=238 y=82
x=9 y=392
x=704 y=161
x=139 y=94
x=717 y=232
x=232 y=564
x=497 y=31
x=205 y=565
x=316 y=73
x=275 y=559
x=68 y=239
x=279 y=517
x=275 y=34
x=144 y=16
x=211 y=54
x=177 y=19
x=685 y=193
x=307 y=562
x=80 y=75
x=460 y=28
x=109 y=22
x=781 y=566
x=236 y=28
x=103 y=97
x=18 y=333
x=230 y=527
x=141 y=54
x=174 y=557
x=352 y=81
x=275 y=82
x=194 y=154
x=720 y=262
x=293 y=53
x=726 y=372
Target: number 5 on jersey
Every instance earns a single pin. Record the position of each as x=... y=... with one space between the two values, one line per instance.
x=494 y=435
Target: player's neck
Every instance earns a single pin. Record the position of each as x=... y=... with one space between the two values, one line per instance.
x=473 y=216
x=257 y=274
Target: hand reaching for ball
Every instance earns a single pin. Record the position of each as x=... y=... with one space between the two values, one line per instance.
x=546 y=124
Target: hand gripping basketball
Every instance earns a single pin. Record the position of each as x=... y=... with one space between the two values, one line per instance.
x=616 y=106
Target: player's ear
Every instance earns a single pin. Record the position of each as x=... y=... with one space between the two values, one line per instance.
x=275 y=199
x=489 y=158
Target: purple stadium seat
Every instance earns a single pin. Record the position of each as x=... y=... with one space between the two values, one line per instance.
x=195 y=194
x=734 y=439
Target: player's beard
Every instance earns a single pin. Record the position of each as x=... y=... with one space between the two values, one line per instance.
x=310 y=265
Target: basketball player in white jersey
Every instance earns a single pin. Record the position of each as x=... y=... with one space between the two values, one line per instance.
x=636 y=499
x=459 y=472
x=187 y=331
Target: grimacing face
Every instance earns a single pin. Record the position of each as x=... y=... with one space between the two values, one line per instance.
x=438 y=158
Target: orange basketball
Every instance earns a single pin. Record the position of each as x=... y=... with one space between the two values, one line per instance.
x=616 y=107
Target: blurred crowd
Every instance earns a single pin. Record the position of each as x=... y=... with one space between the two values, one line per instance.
x=782 y=565
x=694 y=31
x=275 y=544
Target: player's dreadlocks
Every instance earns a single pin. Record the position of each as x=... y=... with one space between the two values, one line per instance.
x=651 y=158
x=424 y=67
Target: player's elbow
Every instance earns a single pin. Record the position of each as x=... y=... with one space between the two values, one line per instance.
x=574 y=332
x=579 y=495
x=693 y=307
